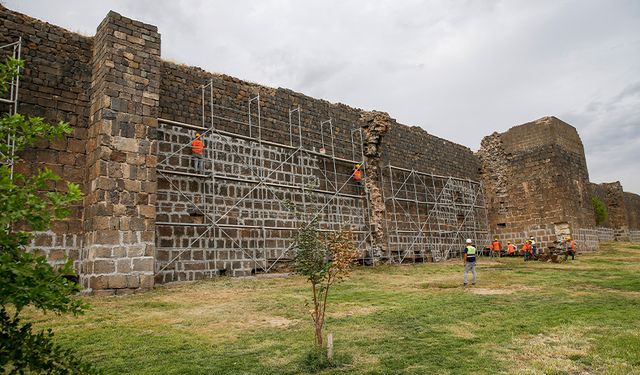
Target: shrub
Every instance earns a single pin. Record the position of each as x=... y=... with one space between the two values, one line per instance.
x=316 y=360
x=600 y=210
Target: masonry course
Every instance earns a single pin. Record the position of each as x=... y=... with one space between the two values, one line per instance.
x=147 y=218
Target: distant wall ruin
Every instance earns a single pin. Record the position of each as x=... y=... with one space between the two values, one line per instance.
x=537 y=184
x=274 y=160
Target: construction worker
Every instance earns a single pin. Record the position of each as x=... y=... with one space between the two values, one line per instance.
x=357 y=175
x=570 y=248
x=197 y=150
x=526 y=250
x=511 y=249
x=469 y=262
x=534 y=248
x=496 y=247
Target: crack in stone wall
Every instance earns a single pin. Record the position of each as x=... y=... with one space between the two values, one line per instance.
x=375 y=125
x=495 y=163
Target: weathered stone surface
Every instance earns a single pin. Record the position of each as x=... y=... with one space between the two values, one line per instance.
x=111 y=195
x=375 y=126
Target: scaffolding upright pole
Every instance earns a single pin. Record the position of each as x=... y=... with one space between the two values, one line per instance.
x=437 y=216
x=203 y=104
x=333 y=154
x=262 y=190
x=366 y=190
x=335 y=170
x=393 y=202
x=13 y=101
x=301 y=161
x=428 y=241
x=415 y=192
x=214 y=153
x=290 y=130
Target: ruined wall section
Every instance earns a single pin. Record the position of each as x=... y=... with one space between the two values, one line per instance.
x=377 y=124
x=496 y=170
x=632 y=205
x=600 y=191
x=537 y=181
x=55 y=85
x=613 y=196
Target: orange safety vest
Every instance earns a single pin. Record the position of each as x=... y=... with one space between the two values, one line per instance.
x=571 y=246
x=197 y=147
x=357 y=174
x=526 y=247
x=511 y=248
x=496 y=246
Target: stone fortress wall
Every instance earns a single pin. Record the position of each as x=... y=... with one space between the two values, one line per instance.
x=274 y=159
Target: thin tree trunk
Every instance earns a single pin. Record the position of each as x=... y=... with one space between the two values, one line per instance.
x=316 y=316
x=319 y=335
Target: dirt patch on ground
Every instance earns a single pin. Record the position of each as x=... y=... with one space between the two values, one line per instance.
x=352 y=311
x=485 y=262
x=487 y=291
x=277 y=322
x=558 y=351
x=463 y=330
x=505 y=290
x=236 y=326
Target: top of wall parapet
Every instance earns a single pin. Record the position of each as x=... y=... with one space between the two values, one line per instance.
x=258 y=87
x=545 y=131
x=196 y=70
x=40 y=25
x=112 y=15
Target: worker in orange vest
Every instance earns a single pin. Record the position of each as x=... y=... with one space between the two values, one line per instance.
x=570 y=248
x=496 y=247
x=197 y=150
x=526 y=250
x=357 y=175
x=511 y=249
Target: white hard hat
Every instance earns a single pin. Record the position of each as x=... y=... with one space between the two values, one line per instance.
x=469 y=240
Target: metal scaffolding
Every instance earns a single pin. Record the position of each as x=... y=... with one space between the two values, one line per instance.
x=264 y=178
x=428 y=217
x=12 y=50
x=259 y=185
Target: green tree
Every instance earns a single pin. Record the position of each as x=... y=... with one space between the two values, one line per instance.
x=600 y=210
x=27 y=203
x=323 y=263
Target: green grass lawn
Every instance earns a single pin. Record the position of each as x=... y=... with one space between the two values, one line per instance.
x=576 y=317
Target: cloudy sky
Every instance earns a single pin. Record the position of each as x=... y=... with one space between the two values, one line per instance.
x=459 y=69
